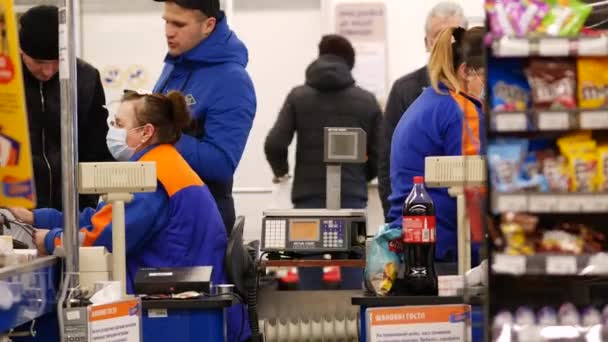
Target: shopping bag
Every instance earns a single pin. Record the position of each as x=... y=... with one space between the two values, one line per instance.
x=384 y=258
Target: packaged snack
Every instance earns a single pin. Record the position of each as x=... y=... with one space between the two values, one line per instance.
x=582 y=161
x=591 y=317
x=592 y=85
x=384 y=253
x=568 y=315
x=516 y=229
x=505 y=159
x=547 y=316
x=500 y=24
x=515 y=18
x=553 y=83
x=602 y=168
x=565 y=18
x=559 y=241
x=510 y=89
x=555 y=170
x=531 y=177
x=502 y=318
x=528 y=16
x=593 y=241
x=524 y=316
x=583 y=167
x=574 y=137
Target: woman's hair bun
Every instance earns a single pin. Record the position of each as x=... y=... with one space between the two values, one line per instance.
x=179 y=109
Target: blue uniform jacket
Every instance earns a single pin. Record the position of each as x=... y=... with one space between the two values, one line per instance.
x=177 y=225
x=436 y=124
x=222 y=100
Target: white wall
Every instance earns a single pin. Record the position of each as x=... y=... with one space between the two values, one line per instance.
x=282 y=37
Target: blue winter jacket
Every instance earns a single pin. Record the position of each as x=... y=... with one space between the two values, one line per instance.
x=222 y=100
x=177 y=225
x=436 y=124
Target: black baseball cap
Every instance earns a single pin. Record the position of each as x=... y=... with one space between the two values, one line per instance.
x=210 y=8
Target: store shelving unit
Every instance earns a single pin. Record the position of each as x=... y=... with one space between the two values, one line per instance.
x=546 y=279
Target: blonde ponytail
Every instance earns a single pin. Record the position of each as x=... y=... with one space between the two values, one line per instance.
x=441 y=63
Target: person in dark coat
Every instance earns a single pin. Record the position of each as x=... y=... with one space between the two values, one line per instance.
x=38 y=35
x=406 y=90
x=329 y=98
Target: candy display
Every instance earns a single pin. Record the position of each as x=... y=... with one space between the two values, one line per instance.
x=592 y=85
x=576 y=164
x=548 y=84
x=521 y=18
x=523 y=236
x=553 y=83
x=585 y=324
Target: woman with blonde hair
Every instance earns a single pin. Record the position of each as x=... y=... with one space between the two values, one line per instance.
x=446 y=120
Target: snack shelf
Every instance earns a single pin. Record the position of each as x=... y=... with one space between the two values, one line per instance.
x=551 y=46
x=551 y=264
x=551 y=203
x=549 y=120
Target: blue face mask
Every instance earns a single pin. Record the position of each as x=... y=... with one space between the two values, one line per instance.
x=117 y=143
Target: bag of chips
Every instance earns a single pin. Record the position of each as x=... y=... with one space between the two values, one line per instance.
x=592 y=82
x=505 y=159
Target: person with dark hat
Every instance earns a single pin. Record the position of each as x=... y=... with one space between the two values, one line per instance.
x=206 y=61
x=329 y=97
x=39 y=40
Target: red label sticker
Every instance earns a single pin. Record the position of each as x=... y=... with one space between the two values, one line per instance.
x=419 y=229
x=7 y=70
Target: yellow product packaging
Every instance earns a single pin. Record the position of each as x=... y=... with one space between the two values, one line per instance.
x=592 y=82
x=565 y=142
x=582 y=162
x=583 y=170
x=602 y=168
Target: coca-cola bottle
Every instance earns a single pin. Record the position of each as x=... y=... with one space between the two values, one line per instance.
x=419 y=234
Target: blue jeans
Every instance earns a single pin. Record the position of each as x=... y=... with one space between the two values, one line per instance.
x=311 y=278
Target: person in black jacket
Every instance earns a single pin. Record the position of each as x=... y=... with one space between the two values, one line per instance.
x=38 y=35
x=407 y=89
x=329 y=98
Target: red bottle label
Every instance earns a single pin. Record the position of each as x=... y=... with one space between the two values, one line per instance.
x=419 y=229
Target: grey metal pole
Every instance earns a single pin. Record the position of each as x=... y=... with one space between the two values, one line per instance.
x=69 y=136
x=334 y=187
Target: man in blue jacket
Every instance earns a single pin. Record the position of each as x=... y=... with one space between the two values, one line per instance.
x=206 y=62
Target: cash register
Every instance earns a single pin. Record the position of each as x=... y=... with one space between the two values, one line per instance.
x=322 y=230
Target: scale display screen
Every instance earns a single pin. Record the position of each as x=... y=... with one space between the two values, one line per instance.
x=343 y=145
x=304 y=230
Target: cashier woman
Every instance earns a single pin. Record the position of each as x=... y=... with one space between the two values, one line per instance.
x=178 y=225
x=446 y=120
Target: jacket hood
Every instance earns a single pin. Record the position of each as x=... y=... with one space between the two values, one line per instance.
x=222 y=46
x=329 y=72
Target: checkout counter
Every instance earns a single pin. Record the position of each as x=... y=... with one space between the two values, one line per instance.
x=288 y=235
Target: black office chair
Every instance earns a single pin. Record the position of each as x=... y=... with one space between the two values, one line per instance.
x=241 y=269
